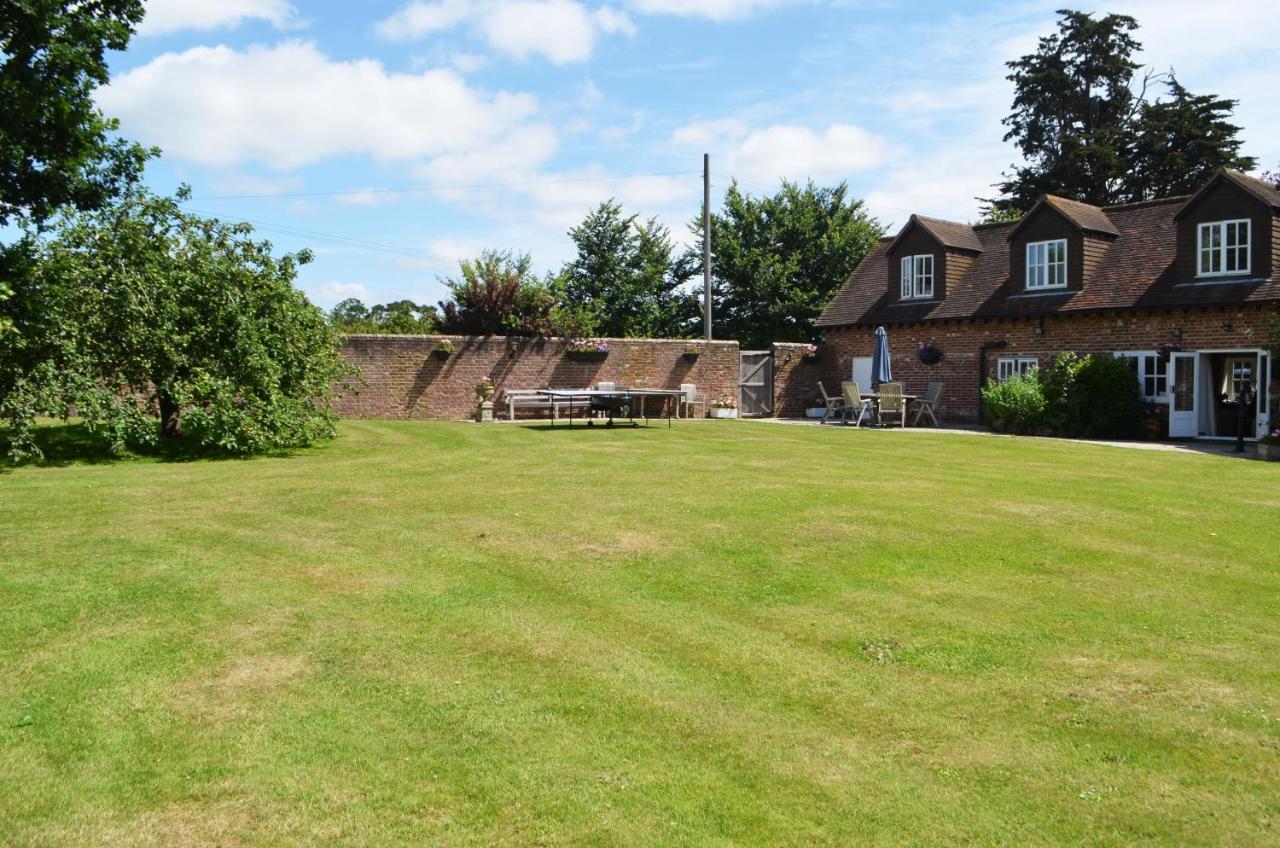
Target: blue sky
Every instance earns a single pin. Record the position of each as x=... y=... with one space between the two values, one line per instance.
x=509 y=119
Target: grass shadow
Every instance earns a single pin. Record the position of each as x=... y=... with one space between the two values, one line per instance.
x=65 y=444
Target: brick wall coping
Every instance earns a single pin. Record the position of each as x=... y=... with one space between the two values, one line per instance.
x=553 y=339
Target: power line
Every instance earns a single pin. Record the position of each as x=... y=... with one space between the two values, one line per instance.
x=346 y=241
x=358 y=191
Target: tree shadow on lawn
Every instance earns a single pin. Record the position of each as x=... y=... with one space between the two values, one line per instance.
x=73 y=444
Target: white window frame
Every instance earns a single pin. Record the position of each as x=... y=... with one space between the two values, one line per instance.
x=1041 y=271
x=1007 y=366
x=1220 y=251
x=1148 y=367
x=916 y=271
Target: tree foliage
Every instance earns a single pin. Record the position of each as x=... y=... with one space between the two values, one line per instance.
x=55 y=145
x=1084 y=132
x=498 y=294
x=624 y=276
x=400 y=317
x=779 y=259
x=141 y=310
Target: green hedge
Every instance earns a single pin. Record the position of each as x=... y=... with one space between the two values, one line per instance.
x=1096 y=397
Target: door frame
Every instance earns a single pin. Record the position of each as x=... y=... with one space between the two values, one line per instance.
x=1184 y=424
x=1263 y=399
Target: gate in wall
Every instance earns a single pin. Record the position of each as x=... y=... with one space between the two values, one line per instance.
x=755 y=383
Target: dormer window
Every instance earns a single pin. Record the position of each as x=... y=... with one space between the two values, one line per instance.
x=1047 y=265
x=1222 y=248
x=917 y=276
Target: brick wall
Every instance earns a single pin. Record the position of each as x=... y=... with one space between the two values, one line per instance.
x=406 y=380
x=1195 y=329
x=795 y=380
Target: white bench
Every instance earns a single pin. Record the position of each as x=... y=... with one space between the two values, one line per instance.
x=534 y=399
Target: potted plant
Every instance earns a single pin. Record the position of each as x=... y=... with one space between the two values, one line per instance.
x=588 y=348
x=691 y=351
x=1269 y=446
x=929 y=353
x=1156 y=422
x=815 y=408
x=443 y=349
x=485 y=388
x=809 y=353
x=724 y=408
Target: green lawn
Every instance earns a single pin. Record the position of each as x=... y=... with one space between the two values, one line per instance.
x=725 y=633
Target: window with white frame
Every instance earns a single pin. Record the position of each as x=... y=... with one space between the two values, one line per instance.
x=1222 y=248
x=1151 y=371
x=1007 y=366
x=1047 y=264
x=917 y=276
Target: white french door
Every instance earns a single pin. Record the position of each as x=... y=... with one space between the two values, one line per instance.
x=1264 y=394
x=1184 y=369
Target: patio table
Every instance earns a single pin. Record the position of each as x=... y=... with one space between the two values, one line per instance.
x=875 y=396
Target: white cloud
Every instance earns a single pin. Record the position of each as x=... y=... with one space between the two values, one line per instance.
x=365 y=197
x=290 y=105
x=612 y=20
x=562 y=31
x=716 y=10
x=785 y=151
x=328 y=294
x=708 y=134
x=166 y=16
x=419 y=18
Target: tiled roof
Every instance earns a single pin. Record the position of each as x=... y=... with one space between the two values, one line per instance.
x=946 y=233
x=1136 y=272
x=1089 y=218
x=1260 y=189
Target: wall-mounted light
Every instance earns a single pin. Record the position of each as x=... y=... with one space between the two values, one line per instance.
x=1040 y=326
x=1228 y=325
x=1178 y=334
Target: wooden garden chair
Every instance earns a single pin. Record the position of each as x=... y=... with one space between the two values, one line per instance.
x=834 y=404
x=891 y=402
x=929 y=405
x=854 y=404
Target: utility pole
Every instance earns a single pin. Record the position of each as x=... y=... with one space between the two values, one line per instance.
x=706 y=244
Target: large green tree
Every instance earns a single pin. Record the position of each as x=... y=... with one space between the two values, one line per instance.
x=624 y=276
x=56 y=147
x=150 y=321
x=1088 y=126
x=777 y=260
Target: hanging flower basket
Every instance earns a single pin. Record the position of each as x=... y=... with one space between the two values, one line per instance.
x=691 y=352
x=929 y=353
x=1166 y=349
x=588 y=349
x=442 y=350
x=809 y=354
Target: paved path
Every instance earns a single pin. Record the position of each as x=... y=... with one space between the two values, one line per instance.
x=1226 y=449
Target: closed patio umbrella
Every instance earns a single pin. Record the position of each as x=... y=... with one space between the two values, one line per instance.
x=880 y=370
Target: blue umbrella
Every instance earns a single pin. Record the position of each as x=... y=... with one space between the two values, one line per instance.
x=880 y=371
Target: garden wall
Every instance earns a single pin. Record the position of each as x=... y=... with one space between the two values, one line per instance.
x=795 y=379
x=960 y=341
x=407 y=380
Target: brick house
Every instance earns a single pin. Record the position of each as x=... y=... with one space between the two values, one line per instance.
x=1186 y=288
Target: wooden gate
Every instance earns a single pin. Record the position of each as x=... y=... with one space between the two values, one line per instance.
x=755 y=383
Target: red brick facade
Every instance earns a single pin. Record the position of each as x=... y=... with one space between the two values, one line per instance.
x=406 y=379
x=1235 y=327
